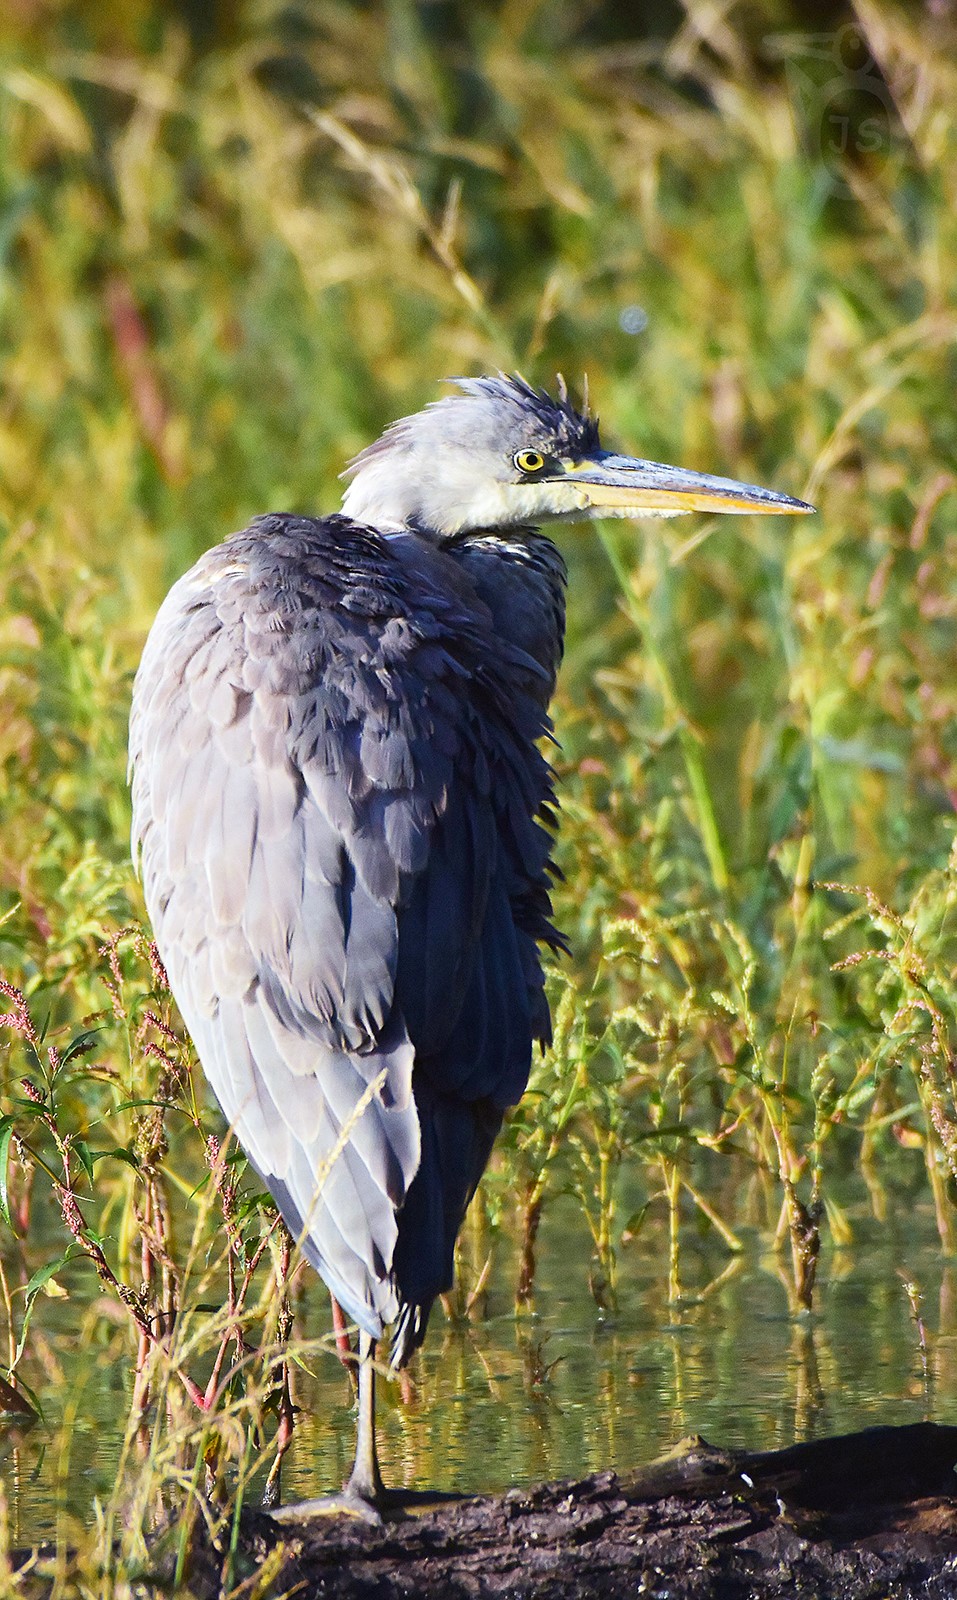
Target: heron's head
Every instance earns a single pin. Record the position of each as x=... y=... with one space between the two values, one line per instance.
x=501 y=454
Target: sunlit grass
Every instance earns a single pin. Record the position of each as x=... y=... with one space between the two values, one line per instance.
x=223 y=273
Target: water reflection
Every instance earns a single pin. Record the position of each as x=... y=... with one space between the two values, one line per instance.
x=564 y=1393
x=561 y=1392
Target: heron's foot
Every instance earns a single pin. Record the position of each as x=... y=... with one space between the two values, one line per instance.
x=346 y=1504
x=365 y=1482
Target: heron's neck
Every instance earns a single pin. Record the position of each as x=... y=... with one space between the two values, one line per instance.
x=521 y=577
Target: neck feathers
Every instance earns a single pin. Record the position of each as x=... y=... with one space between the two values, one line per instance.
x=521 y=577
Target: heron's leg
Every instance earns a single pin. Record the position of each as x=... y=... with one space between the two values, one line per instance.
x=366 y=1480
x=365 y=1494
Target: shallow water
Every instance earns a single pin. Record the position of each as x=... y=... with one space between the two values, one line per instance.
x=564 y=1391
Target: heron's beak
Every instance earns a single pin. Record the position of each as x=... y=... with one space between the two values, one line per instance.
x=622 y=486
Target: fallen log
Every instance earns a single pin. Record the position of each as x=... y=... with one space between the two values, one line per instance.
x=868 y=1514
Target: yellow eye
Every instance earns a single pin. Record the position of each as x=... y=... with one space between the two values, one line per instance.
x=529 y=461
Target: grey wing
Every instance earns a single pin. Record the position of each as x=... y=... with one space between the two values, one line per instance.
x=272 y=883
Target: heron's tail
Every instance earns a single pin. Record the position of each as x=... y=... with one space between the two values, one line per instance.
x=408 y=1332
x=457 y=1137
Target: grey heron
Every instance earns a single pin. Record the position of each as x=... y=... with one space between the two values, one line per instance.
x=343 y=817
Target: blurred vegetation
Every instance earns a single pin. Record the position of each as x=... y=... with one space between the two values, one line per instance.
x=234 y=243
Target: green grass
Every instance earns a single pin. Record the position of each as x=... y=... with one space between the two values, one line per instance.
x=221 y=272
